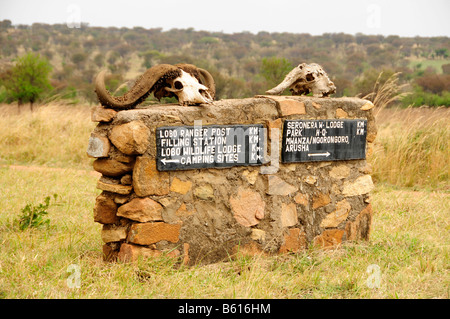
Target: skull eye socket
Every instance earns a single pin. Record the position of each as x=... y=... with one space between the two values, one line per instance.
x=178 y=85
x=309 y=77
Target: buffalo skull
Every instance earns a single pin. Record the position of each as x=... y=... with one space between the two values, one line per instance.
x=189 y=84
x=306 y=78
x=188 y=90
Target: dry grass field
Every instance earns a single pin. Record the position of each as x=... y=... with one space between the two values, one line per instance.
x=412 y=148
x=43 y=153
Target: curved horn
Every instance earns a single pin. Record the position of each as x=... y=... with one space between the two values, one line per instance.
x=209 y=81
x=141 y=89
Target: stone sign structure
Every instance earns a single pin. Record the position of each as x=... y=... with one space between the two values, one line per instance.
x=263 y=175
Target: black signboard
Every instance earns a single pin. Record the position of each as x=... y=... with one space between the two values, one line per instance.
x=209 y=146
x=323 y=140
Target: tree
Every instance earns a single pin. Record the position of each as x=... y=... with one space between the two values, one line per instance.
x=79 y=58
x=5 y=24
x=434 y=83
x=149 y=56
x=274 y=70
x=28 y=79
x=365 y=84
x=446 y=68
x=441 y=52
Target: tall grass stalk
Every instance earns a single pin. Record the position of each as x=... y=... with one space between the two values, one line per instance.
x=385 y=93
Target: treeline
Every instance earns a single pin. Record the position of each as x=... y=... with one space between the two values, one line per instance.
x=242 y=64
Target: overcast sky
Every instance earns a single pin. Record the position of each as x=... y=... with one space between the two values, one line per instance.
x=387 y=17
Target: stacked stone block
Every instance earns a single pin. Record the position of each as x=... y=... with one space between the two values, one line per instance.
x=208 y=215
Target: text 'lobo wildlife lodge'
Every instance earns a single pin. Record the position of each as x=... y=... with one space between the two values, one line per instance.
x=323 y=140
x=212 y=146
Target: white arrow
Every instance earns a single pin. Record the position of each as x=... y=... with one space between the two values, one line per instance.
x=320 y=154
x=170 y=161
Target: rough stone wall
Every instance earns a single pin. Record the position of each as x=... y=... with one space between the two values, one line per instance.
x=207 y=215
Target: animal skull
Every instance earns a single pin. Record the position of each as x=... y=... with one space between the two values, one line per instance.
x=188 y=90
x=306 y=78
x=190 y=84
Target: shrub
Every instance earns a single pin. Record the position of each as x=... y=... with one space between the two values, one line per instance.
x=434 y=83
x=33 y=216
x=3 y=95
x=273 y=70
x=419 y=97
x=368 y=82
